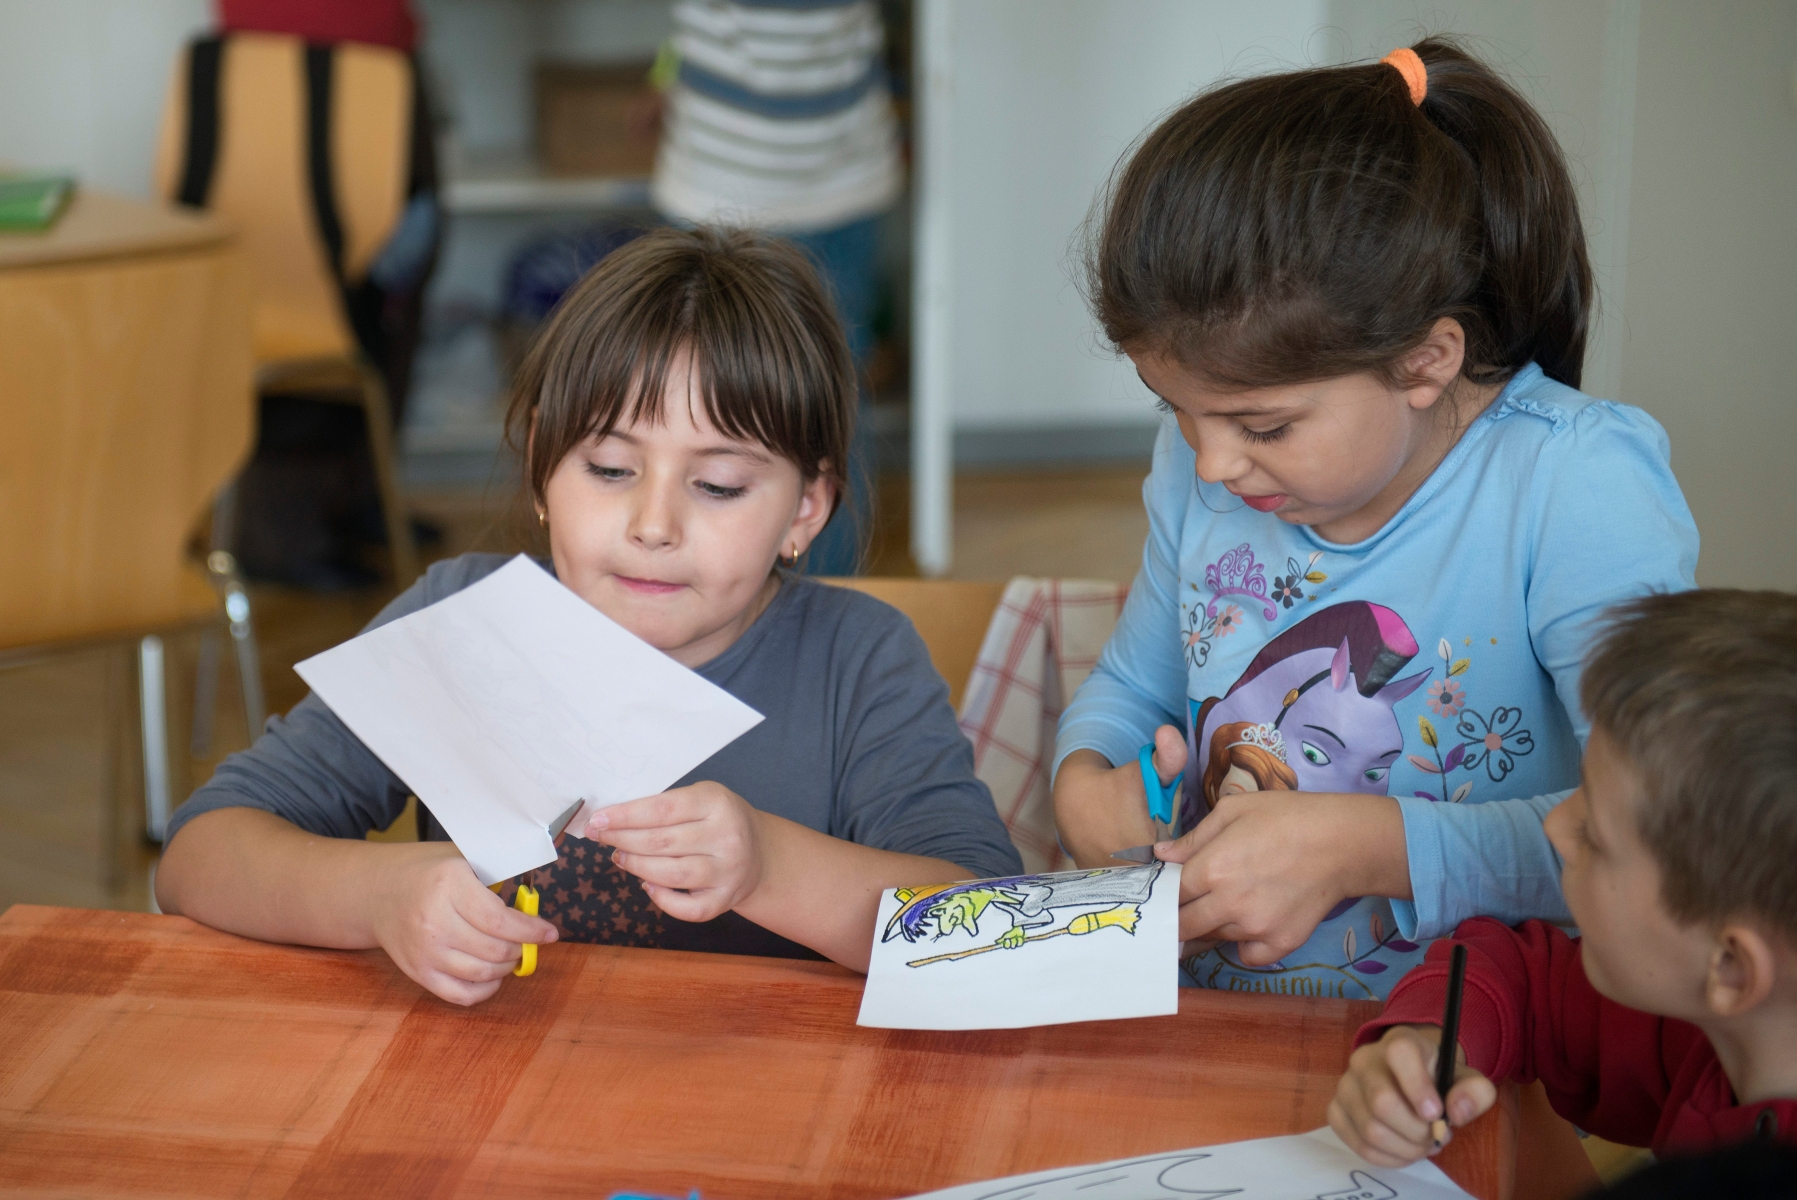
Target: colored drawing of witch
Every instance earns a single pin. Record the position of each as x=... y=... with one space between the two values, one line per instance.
x=1312 y=712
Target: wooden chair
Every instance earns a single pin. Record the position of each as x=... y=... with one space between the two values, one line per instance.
x=126 y=397
x=950 y=615
x=306 y=150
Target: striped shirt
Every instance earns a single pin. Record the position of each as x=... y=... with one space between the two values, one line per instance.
x=779 y=117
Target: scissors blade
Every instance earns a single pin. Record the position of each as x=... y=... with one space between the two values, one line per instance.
x=1136 y=854
x=560 y=823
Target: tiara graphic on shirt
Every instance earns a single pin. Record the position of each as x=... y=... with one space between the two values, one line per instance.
x=1263 y=737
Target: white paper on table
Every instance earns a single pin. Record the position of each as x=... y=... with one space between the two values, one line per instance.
x=503 y=704
x=1026 y=950
x=1304 y=1166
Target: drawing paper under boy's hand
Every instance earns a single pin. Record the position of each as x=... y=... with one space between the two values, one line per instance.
x=1307 y=1166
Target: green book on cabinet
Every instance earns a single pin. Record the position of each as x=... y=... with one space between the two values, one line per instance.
x=33 y=202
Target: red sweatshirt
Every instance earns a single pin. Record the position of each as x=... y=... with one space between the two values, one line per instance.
x=1528 y=1012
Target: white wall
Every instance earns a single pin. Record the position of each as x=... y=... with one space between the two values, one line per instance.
x=1679 y=120
x=1575 y=63
x=1712 y=274
x=1681 y=124
x=82 y=84
x=1047 y=94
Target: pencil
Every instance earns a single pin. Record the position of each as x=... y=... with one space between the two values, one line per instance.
x=1448 y=1052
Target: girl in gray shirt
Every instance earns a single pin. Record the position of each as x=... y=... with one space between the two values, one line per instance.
x=685 y=421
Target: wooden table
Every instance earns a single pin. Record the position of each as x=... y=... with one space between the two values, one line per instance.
x=149 y=1055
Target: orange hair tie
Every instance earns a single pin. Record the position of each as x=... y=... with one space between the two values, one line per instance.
x=1416 y=76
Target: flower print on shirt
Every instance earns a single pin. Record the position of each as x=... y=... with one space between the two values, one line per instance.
x=1494 y=743
x=1446 y=698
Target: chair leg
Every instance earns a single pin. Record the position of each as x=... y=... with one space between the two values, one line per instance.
x=221 y=568
x=205 y=694
x=379 y=420
x=153 y=709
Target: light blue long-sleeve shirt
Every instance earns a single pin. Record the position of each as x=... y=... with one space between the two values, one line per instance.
x=1437 y=661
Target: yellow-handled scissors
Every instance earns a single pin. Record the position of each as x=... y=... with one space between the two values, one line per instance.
x=527 y=899
x=526 y=902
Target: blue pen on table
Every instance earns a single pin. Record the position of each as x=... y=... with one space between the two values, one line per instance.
x=1448 y=1051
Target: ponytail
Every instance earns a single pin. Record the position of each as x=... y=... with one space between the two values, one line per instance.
x=1318 y=223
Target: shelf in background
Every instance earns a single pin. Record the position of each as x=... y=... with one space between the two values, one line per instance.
x=510 y=182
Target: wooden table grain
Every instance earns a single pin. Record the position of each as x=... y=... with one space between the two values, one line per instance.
x=144 y=1055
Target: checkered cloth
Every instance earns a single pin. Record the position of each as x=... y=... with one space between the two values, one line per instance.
x=1042 y=643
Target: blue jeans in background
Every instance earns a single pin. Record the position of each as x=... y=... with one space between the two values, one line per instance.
x=847 y=257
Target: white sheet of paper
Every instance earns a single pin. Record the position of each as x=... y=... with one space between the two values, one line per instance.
x=1026 y=950
x=506 y=702
x=1304 y=1166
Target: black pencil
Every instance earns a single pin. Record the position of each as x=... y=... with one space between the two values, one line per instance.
x=1449 y=1050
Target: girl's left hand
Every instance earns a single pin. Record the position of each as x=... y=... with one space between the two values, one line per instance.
x=697 y=849
x=1264 y=868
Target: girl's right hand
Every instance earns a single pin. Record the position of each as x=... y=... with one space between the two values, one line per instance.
x=1100 y=809
x=445 y=929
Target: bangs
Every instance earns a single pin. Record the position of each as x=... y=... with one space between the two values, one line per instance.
x=1272 y=342
x=770 y=365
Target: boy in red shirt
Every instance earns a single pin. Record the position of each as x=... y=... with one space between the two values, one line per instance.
x=1671 y=1022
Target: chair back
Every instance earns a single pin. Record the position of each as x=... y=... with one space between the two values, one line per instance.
x=951 y=615
x=306 y=149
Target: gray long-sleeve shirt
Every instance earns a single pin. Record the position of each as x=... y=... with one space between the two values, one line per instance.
x=859 y=742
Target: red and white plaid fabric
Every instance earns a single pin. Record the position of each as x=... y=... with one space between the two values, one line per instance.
x=1042 y=643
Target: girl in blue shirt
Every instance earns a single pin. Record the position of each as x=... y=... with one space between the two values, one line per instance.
x=1382 y=517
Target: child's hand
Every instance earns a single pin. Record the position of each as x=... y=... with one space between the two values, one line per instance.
x=445 y=929
x=1264 y=868
x=1100 y=808
x=697 y=849
x=1386 y=1101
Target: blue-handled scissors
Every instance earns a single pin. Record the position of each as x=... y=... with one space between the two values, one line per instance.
x=1161 y=796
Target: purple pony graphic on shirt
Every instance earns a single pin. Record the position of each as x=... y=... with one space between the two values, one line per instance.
x=1324 y=691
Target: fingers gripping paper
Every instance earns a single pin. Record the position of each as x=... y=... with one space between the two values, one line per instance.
x=506 y=702
x=1027 y=950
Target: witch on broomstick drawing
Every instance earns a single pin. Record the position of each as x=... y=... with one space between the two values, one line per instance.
x=1031 y=901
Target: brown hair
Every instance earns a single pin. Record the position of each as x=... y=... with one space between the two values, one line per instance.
x=1270 y=774
x=771 y=361
x=1698 y=690
x=1317 y=223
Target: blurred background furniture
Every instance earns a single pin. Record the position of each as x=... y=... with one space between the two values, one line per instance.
x=125 y=396
x=307 y=149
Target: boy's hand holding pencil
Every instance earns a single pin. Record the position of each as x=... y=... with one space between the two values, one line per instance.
x=1386 y=1103
x=1389 y=1107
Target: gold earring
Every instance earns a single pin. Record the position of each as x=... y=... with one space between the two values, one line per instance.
x=794 y=560
x=543 y=516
